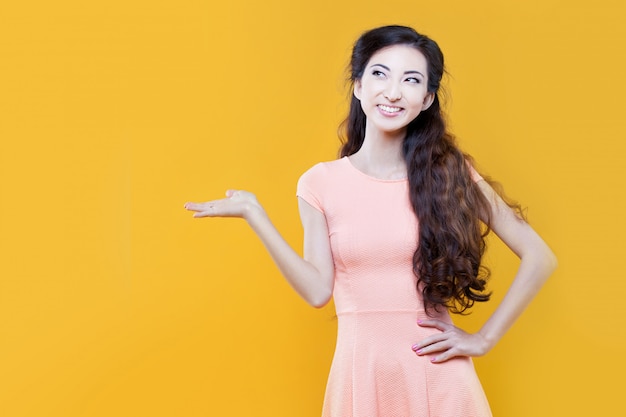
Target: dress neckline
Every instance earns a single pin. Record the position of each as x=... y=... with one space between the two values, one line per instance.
x=363 y=174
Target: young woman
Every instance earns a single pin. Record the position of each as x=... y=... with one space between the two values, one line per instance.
x=394 y=230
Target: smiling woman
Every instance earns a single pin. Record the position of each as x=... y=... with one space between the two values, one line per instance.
x=393 y=89
x=395 y=232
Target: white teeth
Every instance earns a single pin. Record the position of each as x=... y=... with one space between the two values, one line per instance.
x=389 y=109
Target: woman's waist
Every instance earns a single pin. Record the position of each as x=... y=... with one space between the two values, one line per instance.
x=370 y=311
x=380 y=327
x=355 y=302
x=384 y=314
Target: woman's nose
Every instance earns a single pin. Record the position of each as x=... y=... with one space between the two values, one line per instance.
x=392 y=92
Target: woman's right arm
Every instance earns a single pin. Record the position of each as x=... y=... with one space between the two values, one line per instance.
x=312 y=276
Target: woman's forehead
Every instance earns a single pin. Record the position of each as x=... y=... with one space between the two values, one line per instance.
x=399 y=56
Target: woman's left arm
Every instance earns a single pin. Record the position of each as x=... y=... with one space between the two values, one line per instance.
x=537 y=263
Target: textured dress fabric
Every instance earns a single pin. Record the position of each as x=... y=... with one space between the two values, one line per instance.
x=375 y=373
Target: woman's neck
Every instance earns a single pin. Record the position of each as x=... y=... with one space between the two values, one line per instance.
x=381 y=155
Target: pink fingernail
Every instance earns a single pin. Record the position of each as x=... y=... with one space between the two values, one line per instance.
x=433 y=359
x=419 y=322
x=415 y=347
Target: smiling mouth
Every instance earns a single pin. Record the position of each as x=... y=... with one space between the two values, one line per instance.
x=389 y=109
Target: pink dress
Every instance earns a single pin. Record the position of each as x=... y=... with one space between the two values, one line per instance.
x=375 y=373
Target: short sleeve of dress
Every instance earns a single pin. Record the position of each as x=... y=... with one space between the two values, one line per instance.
x=310 y=186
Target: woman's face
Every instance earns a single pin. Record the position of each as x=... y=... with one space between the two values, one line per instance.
x=393 y=88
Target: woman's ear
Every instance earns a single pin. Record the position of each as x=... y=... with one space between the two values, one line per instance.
x=357 y=89
x=428 y=100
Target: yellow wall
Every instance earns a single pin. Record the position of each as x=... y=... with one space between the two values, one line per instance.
x=115 y=302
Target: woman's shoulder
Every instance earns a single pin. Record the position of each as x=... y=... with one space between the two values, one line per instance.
x=318 y=181
x=326 y=169
x=322 y=178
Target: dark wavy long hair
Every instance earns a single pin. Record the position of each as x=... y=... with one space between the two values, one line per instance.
x=454 y=215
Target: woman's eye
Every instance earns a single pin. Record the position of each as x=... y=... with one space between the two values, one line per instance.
x=377 y=73
x=414 y=80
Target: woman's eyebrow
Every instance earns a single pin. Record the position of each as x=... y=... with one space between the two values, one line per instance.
x=389 y=69
x=413 y=72
x=382 y=66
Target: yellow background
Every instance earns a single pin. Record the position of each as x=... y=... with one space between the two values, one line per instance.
x=115 y=302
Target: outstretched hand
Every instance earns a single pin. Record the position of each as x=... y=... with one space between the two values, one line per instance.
x=238 y=203
x=450 y=343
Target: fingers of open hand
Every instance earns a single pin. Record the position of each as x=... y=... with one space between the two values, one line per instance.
x=234 y=205
x=207 y=209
